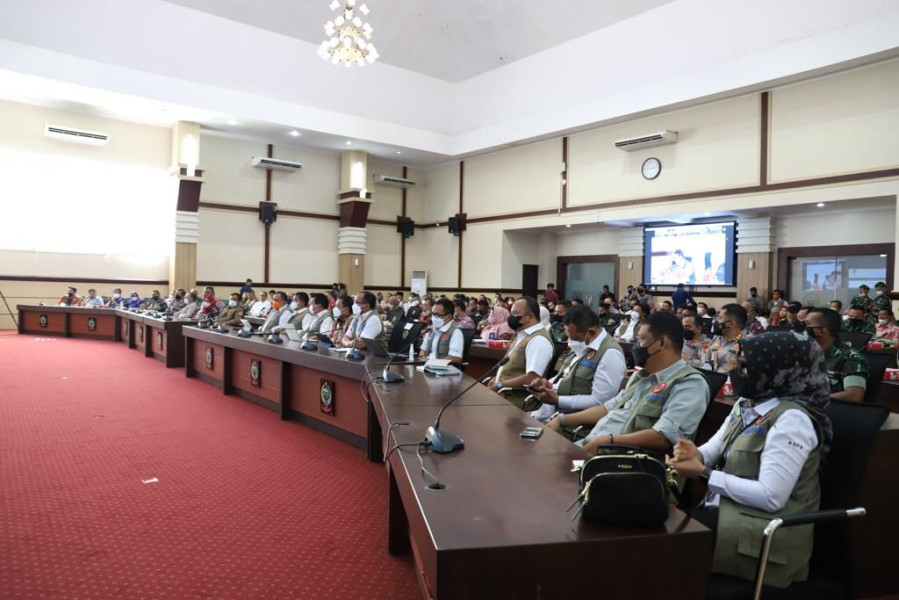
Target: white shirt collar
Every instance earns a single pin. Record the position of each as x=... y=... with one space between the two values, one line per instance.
x=532 y=329
x=594 y=345
x=759 y=410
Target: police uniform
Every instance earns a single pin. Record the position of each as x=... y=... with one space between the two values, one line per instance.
x=692 y=351
x=846 y=367
x=722 y=354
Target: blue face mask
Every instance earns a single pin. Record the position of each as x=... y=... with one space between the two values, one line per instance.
x=232 y=303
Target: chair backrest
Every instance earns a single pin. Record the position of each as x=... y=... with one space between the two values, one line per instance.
x=878 y=363
x=856 y=339
x=714 y=380
x=854 y=429
x=558 y=349
x=706 y=325
x=397 y=341
x=467 y=338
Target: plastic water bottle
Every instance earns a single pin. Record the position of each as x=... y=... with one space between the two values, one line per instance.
x=411 y=352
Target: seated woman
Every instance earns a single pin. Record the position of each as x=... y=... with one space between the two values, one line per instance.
x=886 y=331
x=496 y=323
x=763 y=462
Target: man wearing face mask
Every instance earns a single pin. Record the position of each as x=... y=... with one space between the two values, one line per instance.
x=302 y=316
x=117 y=300
x=722 y=354
x=702 y=310
x=191 y=308
x=695 y=343
x=232 y=314
x=643 y=296
x=591 y=373
x=857 y=320
x=395 y=313
x=261 y=307
x=630 y=327
x=71 y=298
x=366 y=322
x=444 y=340
x=529 y=354
x=92 y=301
x=342 y=312
x=557 y=330
x=177 y=303
x=863 y=299
x=278 y=315
x=847 y=368
x=322 y=321
x=662 y=403
x=753 y=325
x=413 y=307
x=881 y=299
x=155 y=302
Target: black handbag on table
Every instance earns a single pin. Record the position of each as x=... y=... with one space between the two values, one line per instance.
x=625 y=485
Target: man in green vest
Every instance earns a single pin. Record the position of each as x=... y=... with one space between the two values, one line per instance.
x=529 y=355
x=662 y=403
x=445 y=339
x=366 y=322
x=322 y=322
x=591 y=373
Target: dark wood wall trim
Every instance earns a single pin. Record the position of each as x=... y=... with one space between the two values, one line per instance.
x=305 y=215
x=282 y=213
x=564 y=175
x=461 y=204
x=232 y=207
x=353 y=195
x=327 y=286
x=763 y=138
x=122 y=281
x=403 y=237
x=564 y=261
x=785 y=254
x=268 y=233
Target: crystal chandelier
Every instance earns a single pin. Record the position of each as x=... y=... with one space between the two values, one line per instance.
x=348 y=36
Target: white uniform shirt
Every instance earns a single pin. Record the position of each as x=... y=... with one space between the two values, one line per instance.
x=456 y=344
x=96 y=302
x=327 y=322
x=260 y=308
x=537 y=353
x=787 y=446
x=372 y=329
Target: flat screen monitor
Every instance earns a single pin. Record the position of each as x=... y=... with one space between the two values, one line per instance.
x=700 y=255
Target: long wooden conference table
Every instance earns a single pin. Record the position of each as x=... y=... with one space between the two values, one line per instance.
x=496 y=526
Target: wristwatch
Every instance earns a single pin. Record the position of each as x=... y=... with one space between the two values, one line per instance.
x=706 y=473
x=499 y=385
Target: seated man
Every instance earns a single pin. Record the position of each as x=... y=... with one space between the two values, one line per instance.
x=557 y=330
x=233 y=313
x=836 y=305
x=857 y=320
x=365 y=324
x=753 y=325
x=863 y=299
x=322 y=321
x=71 y=298
x=300 y=315
x=395 y=313
x=444 y=340
x=661 y=403
x=721 y=355
x=191 y=308
x=887 y=331
x=695 y=342
x=847 y=368
x=591 y=373
x=278 y=315
x=116 y=300
x=881 y=299
x=630 y=327
x=154 y=302
x=460 y=315
x=261 y=307
x=529 y=354
x=92 y=300
x=764 y=461
x=176 y=305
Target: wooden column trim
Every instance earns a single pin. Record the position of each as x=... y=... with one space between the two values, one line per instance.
x=565 y=173
x=763 y=138
x=461 y=233
x=403 y=237
x=268 y=233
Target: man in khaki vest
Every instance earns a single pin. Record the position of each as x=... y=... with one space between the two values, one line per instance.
x=530 y=352
x=591 y=373
x=661 y=404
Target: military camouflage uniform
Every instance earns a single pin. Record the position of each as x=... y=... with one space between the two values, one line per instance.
x=857 y=326
x=863 y=301
x=230 y=317
x=846 y=367
x=883 y=302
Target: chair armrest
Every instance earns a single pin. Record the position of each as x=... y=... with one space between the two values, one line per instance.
x=519 y=388
x=819 y=516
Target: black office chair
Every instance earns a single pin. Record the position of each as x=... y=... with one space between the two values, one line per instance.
x=832 y=570
x=467 y=338
x=782 y=326
x=877 y=363
x=855 y=339
x=400 y=336
x=714 y=380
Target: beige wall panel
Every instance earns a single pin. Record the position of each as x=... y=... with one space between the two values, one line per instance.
x=759 y=276
x=351 y=268
x=415 y=196
x=717 y=147
x=482 y=262
x=630 y=272
x=382 y=256
x=601 y=240
x=304 y=251
x=388 y=200
x=839 y=124
x=520 y=179
x=230 y=178
x=83 y=266
x=415 y=256
x=833 y=228
x=441 y=257
x=313 y=188
x=441 y=192
x=231 y=246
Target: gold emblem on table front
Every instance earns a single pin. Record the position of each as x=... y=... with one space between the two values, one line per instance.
x=159 y=340
x=328 y=397
x=140 y=334
x=43 y=321
x=255 y=372
x=91 y=324
x=210 y=356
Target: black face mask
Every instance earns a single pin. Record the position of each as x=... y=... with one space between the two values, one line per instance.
x=640 y=354
x=556 y=318
x=178 y=296
x=514 y=321
x=856 y=322
x=689 y=335
x=799 y=326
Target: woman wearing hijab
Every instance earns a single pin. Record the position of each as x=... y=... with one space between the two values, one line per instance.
x=496 y=323
x=763 y=462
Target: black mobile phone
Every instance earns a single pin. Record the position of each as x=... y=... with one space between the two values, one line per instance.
x=531 y=433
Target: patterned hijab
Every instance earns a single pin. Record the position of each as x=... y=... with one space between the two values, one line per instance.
x=790 y=366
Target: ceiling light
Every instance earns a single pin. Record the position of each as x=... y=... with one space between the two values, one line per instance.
x=232 y=122
x=294 y=133
x=347 y=37
x=398 y=152
x=820 y=205
x=349 y=143
x=569 y=225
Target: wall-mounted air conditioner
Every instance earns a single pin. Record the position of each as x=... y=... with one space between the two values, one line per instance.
x=279 y=164
x=394 y=181
x=75 y=136
x=647 y=141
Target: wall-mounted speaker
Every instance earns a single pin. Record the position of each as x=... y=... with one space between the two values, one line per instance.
x=457 y=224
x=268 y=213
x=405 y=226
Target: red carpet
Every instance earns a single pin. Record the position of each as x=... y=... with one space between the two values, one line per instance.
x=245 y=506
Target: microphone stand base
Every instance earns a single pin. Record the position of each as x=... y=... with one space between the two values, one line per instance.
x=443 y=442
x=391 y=377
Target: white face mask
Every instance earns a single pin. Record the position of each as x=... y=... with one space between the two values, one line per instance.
x=293 y=305
x=357 y=310
x=845 y=317
x=206 y=305
x=883 y=321
x=437 y=322
x=336 y=312
x=700 y=311
x=878 y=293
x=232 y=303
x=576 y=346
x=116 y=296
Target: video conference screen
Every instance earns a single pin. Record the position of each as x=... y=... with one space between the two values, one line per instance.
x=690 y=254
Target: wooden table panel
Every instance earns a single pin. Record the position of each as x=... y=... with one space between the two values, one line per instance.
x=269 y=388
x=198 y=358
x=104 y=325
x=30 y=321
x=351 y=409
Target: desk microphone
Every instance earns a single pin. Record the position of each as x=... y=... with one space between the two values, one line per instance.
x=387 y=376
x=443 y=442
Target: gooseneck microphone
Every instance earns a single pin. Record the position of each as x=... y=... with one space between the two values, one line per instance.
x=387 y=376
x=443 y=442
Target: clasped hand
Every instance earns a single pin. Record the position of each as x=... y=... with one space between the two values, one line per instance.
x=687 y=459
